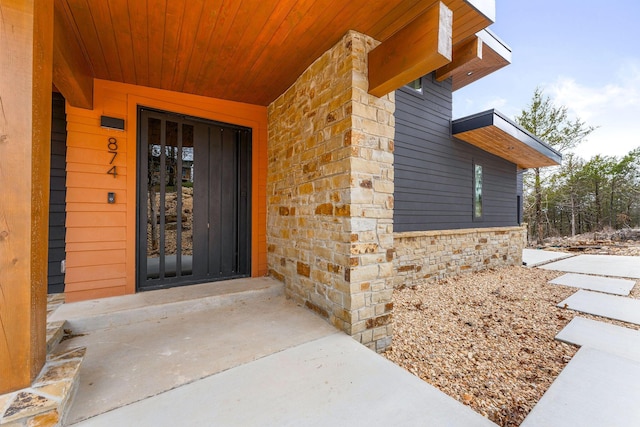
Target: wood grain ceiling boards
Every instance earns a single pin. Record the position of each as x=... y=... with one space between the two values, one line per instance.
x=493 y=132
x=496 y=141
x=243 y=50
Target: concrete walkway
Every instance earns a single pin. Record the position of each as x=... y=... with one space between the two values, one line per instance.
x=599 y=386
x=596 y=283
x=602 y=265
x=595 y=389
x=536 y=257
x=605 y=305
x=258 y=361
x=332 y=381
x=602 y=336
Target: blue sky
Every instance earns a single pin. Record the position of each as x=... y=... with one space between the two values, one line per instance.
x=584 y=54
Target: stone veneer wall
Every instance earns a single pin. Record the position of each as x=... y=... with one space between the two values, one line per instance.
x=330 y=193
x=427 y=256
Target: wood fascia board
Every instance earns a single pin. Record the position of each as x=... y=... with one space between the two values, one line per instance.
x=420 y=47
x=464 y=53
x=72 y=74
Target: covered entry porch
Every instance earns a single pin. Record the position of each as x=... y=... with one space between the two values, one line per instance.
x=314 y=83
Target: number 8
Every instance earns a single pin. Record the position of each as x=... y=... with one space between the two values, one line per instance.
x=113 y=144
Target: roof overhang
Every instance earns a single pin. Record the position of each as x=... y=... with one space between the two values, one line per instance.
x=475 y=58
x=496 y=134
x=251 y=50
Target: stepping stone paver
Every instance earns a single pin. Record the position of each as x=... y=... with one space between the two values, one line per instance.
x=611 y=306
x=535 y=257
x=603 y=265
x=596 y=388
x=603 y=336
x=596 y=283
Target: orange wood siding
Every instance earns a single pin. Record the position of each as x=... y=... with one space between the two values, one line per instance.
x=101 y=237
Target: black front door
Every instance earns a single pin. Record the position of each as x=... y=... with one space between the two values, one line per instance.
x=193 y=200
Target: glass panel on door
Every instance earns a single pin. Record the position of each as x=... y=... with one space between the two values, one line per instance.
x=170 y=199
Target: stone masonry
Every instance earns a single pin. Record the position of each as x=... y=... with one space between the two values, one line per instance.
x=426 y=256
x=330 y=193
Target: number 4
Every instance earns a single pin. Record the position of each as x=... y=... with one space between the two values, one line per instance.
x=112 y=171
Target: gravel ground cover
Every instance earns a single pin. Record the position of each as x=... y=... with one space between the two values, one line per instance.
x=487 y=339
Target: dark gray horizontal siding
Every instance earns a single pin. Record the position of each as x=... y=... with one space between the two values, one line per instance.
x=434 y=171
x=57 y=194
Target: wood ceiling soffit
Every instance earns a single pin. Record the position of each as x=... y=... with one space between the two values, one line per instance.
x=264 y=17
x=417 y=49
x=497 y=142
x=300 y=48
x=245 y=50
x=465 y=53
x=203 y=36
x=102 y=16
x=72 y=73
x=140 y=41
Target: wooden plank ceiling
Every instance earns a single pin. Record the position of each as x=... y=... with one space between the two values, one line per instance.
x=242 y=50
x=495 y=133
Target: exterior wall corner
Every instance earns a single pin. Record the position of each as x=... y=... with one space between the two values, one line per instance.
x=330 y=193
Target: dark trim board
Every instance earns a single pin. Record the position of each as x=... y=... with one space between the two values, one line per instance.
x=434 y=171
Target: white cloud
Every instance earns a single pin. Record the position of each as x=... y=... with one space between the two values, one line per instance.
x=613 y=106
x=496 y=102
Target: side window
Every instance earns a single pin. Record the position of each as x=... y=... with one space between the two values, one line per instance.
x=415 y=85
x=477 y=191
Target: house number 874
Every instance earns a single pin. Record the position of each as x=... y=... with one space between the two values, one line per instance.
x=112 y=148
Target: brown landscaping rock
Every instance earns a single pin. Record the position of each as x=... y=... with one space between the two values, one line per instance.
x=486 y=339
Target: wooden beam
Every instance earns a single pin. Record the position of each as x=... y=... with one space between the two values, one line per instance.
x=26 y=44
x=72 y=73
x=417 y=49
x=463 y=54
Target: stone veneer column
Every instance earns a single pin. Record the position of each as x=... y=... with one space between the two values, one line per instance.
x=330 y=193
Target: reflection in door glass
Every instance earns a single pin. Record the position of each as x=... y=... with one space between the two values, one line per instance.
x=169 y=187
x=153 y=187
x=187 y=199
x=170 y=199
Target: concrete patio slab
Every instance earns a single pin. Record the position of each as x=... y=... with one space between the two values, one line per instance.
x=611 y=306
x=332 y=381
x=603 y=265
x=139 y=360
x=536 y=257
x=595 y=389
x=596 y=283
x=603 y=336
x=102 y=313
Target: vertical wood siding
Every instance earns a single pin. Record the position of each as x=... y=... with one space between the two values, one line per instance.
x=101 y=237
x=434 y=171
x=57 y=193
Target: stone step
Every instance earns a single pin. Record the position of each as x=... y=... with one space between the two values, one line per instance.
x=86 y=316
x=47 y=400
